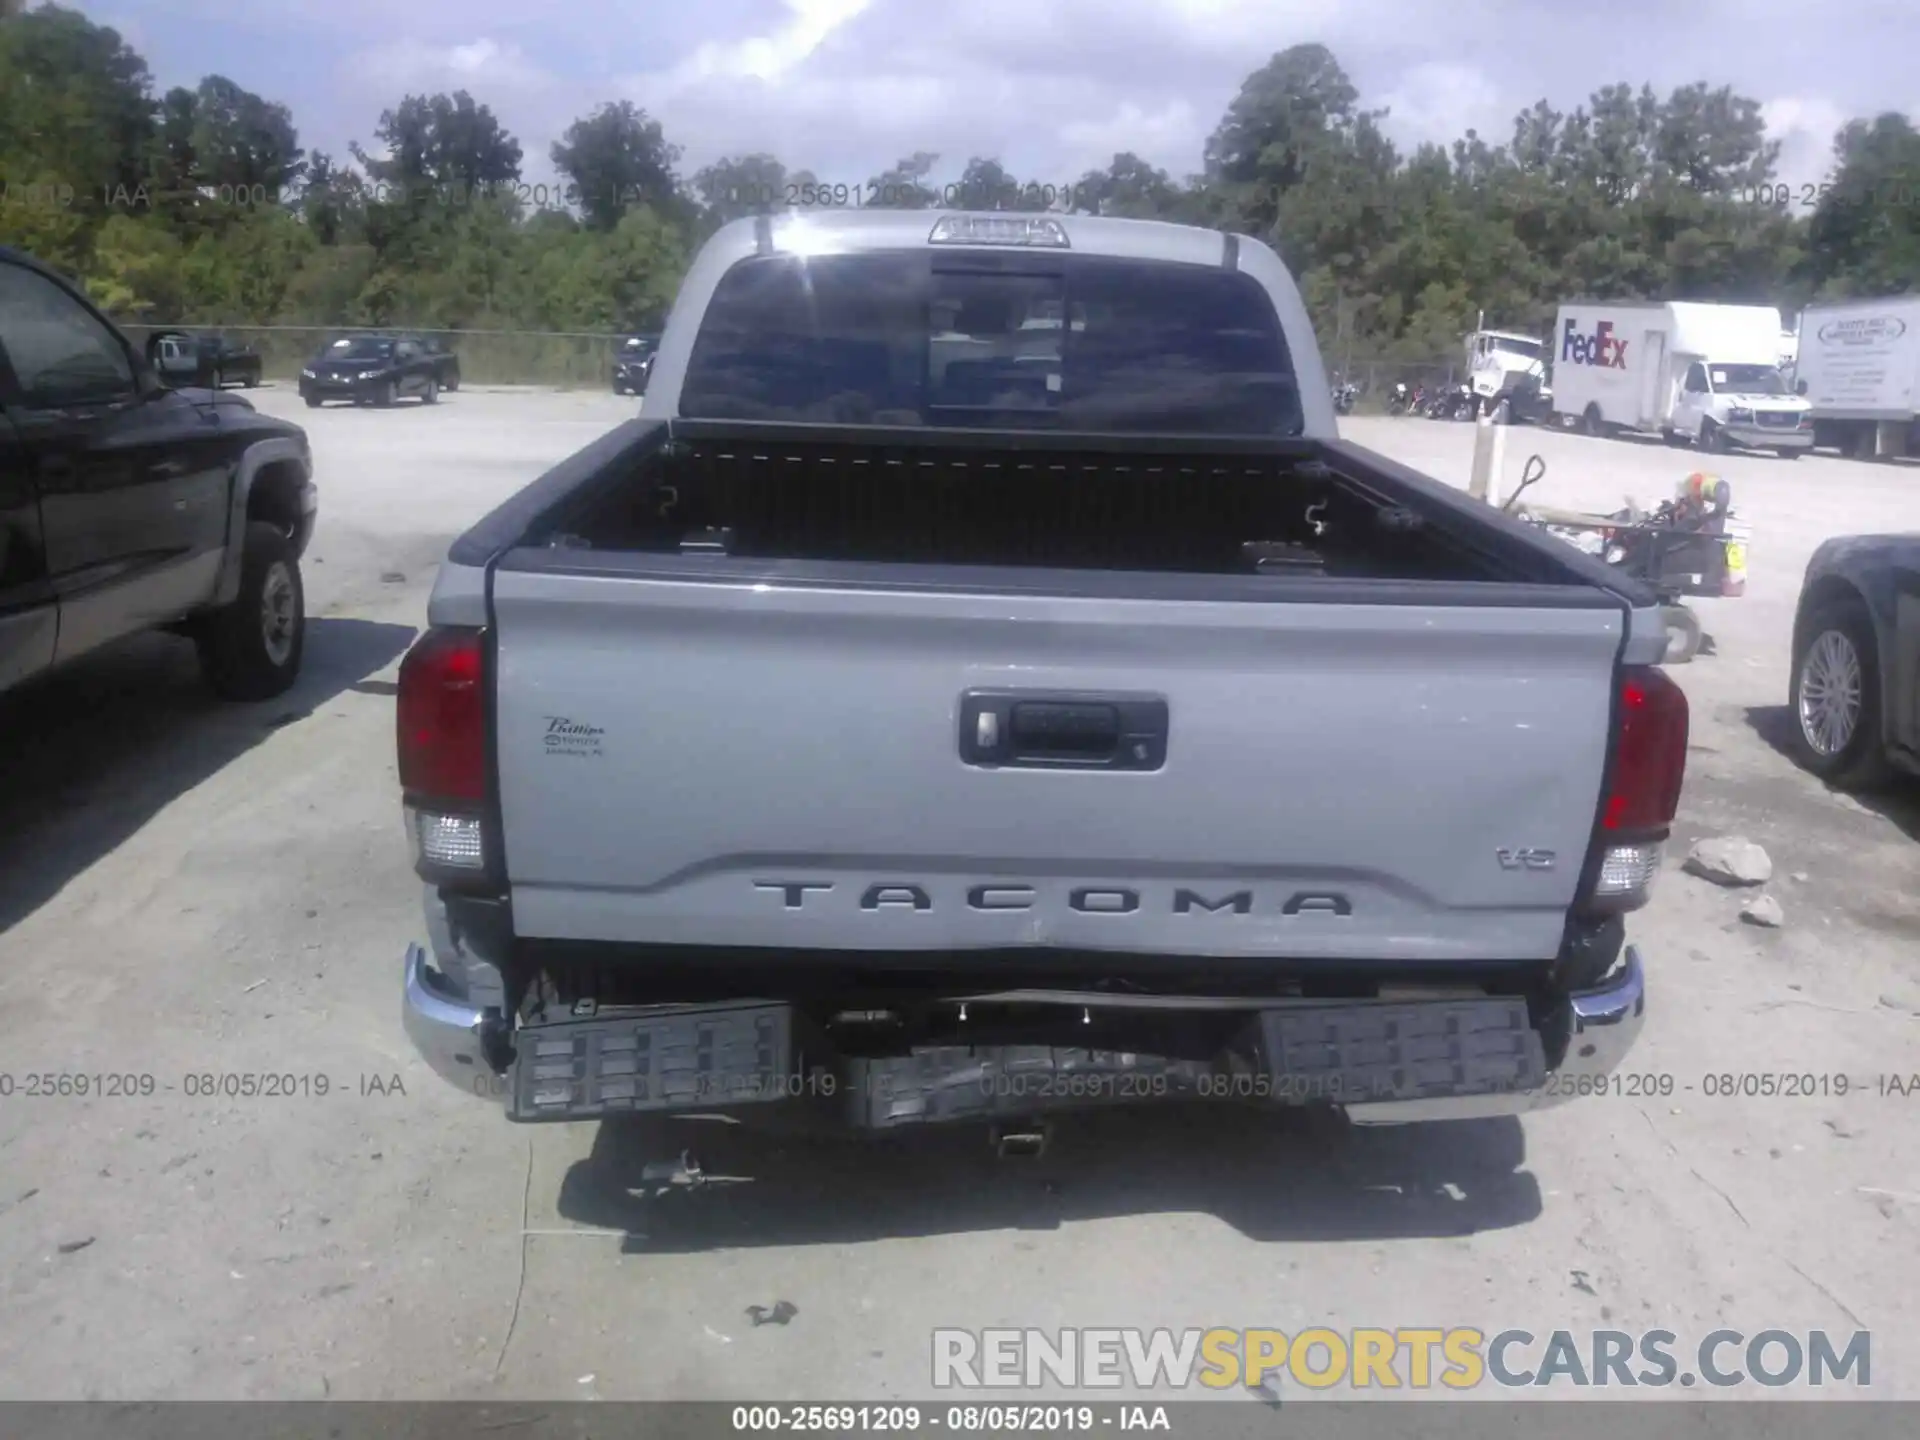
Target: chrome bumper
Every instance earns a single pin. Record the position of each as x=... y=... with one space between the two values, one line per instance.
x=1603 y=1023
x=444 y=1027
x=1765 y=437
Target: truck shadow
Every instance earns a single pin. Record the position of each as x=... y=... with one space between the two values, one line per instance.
x=1899 y=802
x=1273 y=1176
x=93 y=752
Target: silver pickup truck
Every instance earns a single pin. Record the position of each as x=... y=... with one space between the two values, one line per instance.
x=982 y=682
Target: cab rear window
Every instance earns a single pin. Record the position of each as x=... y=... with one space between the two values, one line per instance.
x=1082 y=343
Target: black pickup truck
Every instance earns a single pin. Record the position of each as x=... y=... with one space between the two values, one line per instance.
x=212 y=362
x=127 y=505
x=633 y=363
x=446 y=364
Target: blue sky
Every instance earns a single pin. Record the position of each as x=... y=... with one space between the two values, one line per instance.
x=844 y=87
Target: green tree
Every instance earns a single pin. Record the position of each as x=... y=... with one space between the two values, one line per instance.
x=616 y=157
x=904 y=186
x=741 y=185
x=76 y=121
x=988 y=185
x=1864 y=235
x=444 y=144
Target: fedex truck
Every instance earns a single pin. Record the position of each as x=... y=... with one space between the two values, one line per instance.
x=1858 y=364
x=1694 y=373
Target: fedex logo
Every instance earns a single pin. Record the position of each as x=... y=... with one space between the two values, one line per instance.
x=1601 y=348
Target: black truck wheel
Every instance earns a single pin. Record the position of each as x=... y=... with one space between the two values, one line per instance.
x=1835 y=697
x=431 y=395
x=1684 y=634
x=251 y=649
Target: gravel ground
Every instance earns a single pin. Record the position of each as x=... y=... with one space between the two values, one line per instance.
x=187 y=888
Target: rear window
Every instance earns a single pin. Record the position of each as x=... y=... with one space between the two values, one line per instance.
x=1083 y=343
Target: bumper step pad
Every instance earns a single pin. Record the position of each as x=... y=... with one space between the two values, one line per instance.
x=1352 y=1054
x=721 y=1057
x=696 y=1057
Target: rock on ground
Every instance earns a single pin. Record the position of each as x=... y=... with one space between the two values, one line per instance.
x=1763 y=910
x=1729 y=860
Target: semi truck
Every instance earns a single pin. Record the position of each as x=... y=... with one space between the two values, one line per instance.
x=1694 y=373
x=1858 y=365
x=1506 y=365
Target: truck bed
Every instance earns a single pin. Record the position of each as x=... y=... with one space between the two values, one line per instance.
x=1262 y=699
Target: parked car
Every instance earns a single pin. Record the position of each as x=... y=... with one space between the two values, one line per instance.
x=370 y=370
x=446 y=364
x=633 y=363
x=209 y=361
x=1855 y=692
x=126 y=505
x=1005 y=775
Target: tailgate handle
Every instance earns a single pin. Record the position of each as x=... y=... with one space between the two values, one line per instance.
x=1023 y=729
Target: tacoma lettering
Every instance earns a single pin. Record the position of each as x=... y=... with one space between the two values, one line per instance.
x=1086 y=899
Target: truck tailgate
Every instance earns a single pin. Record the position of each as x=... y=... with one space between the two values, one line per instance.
x=708 y=762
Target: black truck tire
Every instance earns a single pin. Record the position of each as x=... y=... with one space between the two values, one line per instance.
x=431 y=395
x=1684 y=634
x=251 y=649
x=1831 y=641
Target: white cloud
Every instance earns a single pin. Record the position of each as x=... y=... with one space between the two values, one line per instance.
x=764 y=57
x=482 y=64
x=1805 y=127
x=1442 y=100
x=1174 y=128
x=845 y=87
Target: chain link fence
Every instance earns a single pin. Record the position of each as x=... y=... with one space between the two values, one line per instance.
x=573 y=359
x=583 y=359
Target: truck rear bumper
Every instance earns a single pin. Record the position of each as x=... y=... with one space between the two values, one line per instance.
x=1602 y=1026
x=1428 y=1060
x=445 y=1027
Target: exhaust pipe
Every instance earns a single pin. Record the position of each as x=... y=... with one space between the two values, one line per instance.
x=1025 y=1141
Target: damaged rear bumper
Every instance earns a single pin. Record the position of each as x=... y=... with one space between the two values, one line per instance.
x=1384 y=1063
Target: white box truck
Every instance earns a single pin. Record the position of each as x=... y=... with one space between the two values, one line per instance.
x=1708 y=374
x=1858 y=364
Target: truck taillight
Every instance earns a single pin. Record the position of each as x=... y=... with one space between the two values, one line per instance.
x=442 y=733
x=1643 y=788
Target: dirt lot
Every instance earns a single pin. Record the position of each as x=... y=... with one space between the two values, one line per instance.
x=187 y=889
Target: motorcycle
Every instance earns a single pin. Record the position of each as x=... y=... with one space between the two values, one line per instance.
x=1343 y=398
x=1457 y=403
x=1400 y=401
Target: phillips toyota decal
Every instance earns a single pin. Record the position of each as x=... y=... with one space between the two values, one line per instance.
x=1875 y=330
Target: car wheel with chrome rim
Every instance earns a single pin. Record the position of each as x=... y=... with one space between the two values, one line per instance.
x=1835 y=697
x=251 y=649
